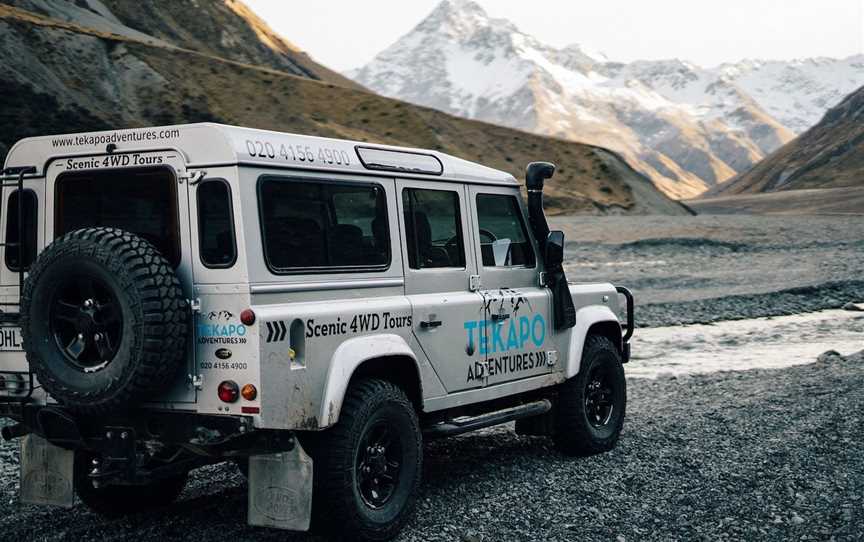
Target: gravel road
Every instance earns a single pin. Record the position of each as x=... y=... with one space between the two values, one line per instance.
x=727 y=456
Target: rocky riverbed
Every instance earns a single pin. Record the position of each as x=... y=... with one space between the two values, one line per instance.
x=728 y=266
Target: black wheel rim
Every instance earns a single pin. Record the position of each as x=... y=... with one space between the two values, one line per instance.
x=379 y=461
x=599 y=396
x=86 y=322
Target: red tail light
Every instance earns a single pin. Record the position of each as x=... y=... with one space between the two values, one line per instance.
x=247 y=317
x=229 y=391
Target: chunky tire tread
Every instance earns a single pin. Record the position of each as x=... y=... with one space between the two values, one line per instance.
x=160 y=317
x=335 y=505
x=573 y=434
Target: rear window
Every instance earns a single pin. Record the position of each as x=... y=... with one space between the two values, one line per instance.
x=141 y=202
x=30 y=213
x=323 y=225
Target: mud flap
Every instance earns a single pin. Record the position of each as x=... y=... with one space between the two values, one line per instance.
x=46 y=473
x=280 y=490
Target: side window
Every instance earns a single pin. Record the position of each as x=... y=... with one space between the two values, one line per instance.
x=13 y=253
x=503 y=237
x=217 y=243
x=433 y=228
x=315 y=225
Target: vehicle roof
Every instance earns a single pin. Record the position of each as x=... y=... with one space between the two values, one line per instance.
x=210 y=144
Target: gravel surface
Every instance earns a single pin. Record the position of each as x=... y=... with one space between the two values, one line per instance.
x=728 y=456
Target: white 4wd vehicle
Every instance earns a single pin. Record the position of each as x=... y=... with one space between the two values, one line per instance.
x=313 y=309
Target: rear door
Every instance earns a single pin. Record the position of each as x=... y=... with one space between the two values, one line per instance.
x=517 y=339
x=438 y=274
x=144 y=193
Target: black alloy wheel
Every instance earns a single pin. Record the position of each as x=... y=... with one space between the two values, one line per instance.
x=599 y=399
x=378 y=464
x=86 y=322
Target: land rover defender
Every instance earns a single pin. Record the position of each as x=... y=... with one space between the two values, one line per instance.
x=311 y=309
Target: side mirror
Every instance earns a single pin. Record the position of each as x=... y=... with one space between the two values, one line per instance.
x=554 y=249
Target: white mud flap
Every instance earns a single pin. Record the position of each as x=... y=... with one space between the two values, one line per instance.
x=280 y=490
x=46 y=473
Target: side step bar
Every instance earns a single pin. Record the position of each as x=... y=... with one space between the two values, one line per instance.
x=465 y=425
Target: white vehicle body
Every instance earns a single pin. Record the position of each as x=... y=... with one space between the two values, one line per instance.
x=455 y=336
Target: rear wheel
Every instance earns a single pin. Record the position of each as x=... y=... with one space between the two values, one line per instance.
x=115 y=500
x=590 y=407
x=368 y=466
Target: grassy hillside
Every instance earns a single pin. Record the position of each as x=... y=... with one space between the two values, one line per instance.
x=829 y=155
x=100 y=80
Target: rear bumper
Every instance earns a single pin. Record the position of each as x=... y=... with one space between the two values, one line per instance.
x=143 y=445
x=72 y=431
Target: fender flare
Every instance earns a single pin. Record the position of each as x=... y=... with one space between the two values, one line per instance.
x=350 y=355
x=586 y=317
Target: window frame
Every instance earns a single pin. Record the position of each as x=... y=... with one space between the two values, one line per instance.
x=26 y=268
x=233 y=223
x=459 y=218
x=377 y=184
x=517 y=205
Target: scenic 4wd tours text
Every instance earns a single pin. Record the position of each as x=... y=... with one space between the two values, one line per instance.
x=114 y=160
x=360 y=323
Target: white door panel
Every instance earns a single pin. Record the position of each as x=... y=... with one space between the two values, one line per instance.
x=516 y=332
x=443 y=305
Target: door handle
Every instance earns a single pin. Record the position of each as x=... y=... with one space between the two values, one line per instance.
x=500 y=317
x=429 y=324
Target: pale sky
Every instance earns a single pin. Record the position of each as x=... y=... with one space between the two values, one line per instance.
x=345 y=34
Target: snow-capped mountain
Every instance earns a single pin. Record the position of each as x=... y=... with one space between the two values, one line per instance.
x=686 y=127
x=800 y=92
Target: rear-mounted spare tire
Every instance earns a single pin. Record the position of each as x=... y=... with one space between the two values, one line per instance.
x=104 y=321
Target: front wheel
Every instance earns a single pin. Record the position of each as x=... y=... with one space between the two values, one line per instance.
x=368 y=466
x=591 y=405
